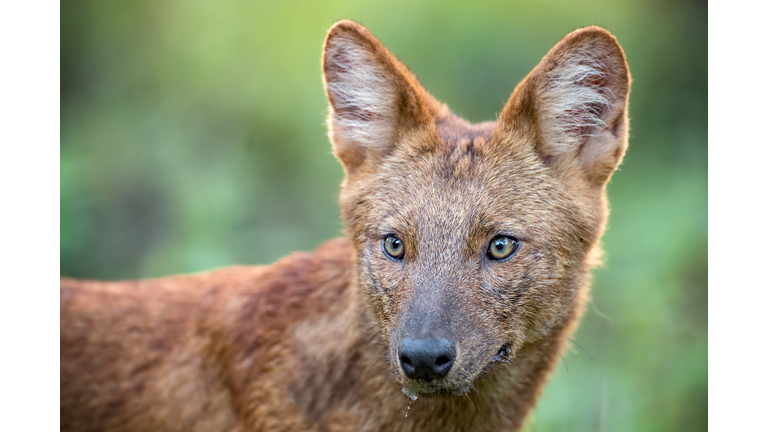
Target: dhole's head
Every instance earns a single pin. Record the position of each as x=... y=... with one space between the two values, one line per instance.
x=473 y=242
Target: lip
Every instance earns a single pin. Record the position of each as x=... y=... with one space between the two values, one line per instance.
x=432 y=391
x=444 y=387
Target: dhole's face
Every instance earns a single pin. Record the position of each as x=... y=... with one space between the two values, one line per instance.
x=472 y=239
x=464 y=253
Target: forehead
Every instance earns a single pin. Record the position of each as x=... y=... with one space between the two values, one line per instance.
x=466 y=179
x=453 y=129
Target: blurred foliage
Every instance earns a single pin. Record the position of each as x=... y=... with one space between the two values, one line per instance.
x=192 y=136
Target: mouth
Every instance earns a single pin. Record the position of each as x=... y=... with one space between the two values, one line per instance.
x=431 y=390
x=446 y=388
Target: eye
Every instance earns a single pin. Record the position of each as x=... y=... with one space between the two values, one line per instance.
x=393 y=247
x=502 y=247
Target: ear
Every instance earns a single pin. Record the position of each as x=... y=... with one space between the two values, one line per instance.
x=374 y=98
x=575 y=105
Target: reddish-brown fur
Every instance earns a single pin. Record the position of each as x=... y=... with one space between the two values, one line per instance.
x=310 y=342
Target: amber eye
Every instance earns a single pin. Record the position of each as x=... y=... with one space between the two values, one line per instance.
x=502 y=247
x=393 y=247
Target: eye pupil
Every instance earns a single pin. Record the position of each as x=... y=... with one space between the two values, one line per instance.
x=502 y=247
x=393 y=247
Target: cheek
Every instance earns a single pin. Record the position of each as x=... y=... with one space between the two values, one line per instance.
x=515 y=289
x=531 y=293
x=504 y=283
x=384 y=281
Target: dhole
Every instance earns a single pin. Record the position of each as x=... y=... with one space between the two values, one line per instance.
x=465 y=267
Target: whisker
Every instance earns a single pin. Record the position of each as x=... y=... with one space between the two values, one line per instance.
x=575 y=343
x=470 y=401
x=599 y=313
x=483 y=395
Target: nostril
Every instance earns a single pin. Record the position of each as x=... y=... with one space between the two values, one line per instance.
x=405 y=361
x=407 y=364
x=442 y=361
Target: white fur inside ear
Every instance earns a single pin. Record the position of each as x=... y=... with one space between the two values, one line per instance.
x=363 y=99
x=577 y=100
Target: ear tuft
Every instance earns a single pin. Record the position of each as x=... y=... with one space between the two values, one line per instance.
x=575 y=102
x=361 y=94
x=584 y=91
x=373 y=97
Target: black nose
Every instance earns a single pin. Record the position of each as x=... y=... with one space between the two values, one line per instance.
x=427 y=359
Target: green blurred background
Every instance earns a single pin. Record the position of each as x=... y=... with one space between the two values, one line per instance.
x=192 y=136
